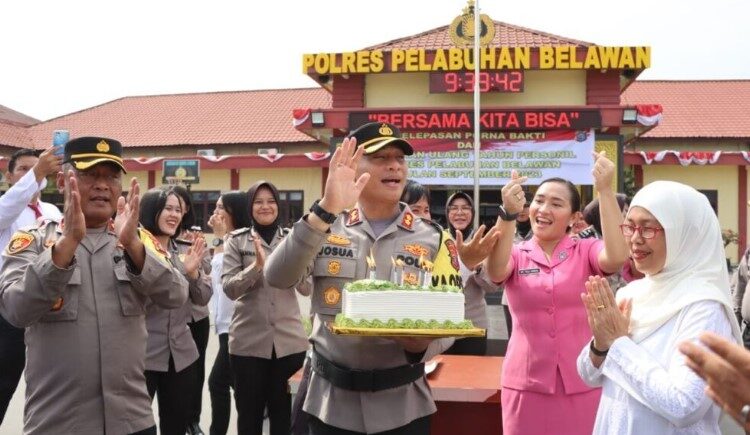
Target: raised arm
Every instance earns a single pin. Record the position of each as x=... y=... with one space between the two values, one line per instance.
x=615 y=251
x=498 y=264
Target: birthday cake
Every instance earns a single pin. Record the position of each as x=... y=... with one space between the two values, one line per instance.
x=371 y=303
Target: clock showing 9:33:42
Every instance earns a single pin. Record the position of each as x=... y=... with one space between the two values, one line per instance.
x=488 y=81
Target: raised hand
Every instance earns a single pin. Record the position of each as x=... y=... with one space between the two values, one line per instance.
x=603 y=172
x=475 y=250
x=260 y=253
x=74 y=223
x=342 y=190
x=512 y=193
x=725 y=367
x=217 y=223
x=48 y=164
x=126 y=219
x=607 y=320
x=194 y=257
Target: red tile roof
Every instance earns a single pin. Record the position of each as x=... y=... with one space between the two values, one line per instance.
x=14 y=135
x=505 y=35
x=12 y=117
x=700 y=108
x=262 y=116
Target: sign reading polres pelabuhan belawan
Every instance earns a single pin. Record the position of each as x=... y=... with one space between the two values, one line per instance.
x=447 y=158
x=559 y=57
x=181 y=171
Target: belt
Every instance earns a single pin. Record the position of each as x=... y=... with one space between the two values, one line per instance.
x=365 y=380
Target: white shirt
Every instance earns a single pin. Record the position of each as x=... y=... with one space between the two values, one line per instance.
x=220 y=305
x=646 y=386
x=15 y=212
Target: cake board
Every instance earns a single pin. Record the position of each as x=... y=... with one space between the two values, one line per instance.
x=419 y=333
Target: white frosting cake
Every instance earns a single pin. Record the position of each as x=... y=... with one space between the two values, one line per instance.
x=403 y=304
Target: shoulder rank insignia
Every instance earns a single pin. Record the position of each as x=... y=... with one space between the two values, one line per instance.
x=354 y=217
x=19 y=242
x=408 y=221
x=338 y=239
x=57 y=306
x=239 y=231
x=153 y=245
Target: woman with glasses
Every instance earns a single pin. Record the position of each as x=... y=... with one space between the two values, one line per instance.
x=267 y=342
x=171 y=353
x=647 y=387
x=459 y=212
x=543 y=277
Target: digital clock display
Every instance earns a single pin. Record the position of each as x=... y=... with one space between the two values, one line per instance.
x=464 y=81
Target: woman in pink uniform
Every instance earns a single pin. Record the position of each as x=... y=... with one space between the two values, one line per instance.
x=542 y=392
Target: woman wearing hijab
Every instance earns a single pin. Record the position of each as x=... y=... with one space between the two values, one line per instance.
x=459 y=212
x=267 y=342
x=675 y=240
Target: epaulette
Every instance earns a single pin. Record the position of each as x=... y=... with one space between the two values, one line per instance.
x=285 y=231
x=239 y=231
x=434 y=224
x=183 y=242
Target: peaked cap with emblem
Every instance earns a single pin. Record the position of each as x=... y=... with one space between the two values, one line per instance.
x=85 y=152
x=376 y=135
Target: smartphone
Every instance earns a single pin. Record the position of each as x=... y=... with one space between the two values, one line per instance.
x=59 y=139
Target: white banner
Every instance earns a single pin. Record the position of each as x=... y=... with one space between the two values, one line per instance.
x=446 y=158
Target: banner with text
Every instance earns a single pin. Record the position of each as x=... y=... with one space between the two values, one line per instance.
x=447 y=158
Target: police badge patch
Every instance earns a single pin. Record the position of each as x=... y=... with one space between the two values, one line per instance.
x=19 y=242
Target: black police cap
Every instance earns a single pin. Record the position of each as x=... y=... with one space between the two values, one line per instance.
x=374 y=136
x=85 y=152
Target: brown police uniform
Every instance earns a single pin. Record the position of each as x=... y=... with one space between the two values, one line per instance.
x=168 y=333
x=338 y=257
x=86 y=330
x=265 y=318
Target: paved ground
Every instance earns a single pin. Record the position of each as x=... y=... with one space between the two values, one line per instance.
x=13 y=423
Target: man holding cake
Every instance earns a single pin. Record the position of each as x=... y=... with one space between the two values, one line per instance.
x=363 y=384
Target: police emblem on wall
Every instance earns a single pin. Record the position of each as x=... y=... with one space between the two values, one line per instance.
x=462 y=28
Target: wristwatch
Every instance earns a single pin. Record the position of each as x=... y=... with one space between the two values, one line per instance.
x=504 y=215
x=320 y=212
x=218 y=241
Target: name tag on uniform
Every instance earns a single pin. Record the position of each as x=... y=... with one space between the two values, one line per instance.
x=528 y=271
x=247 y=252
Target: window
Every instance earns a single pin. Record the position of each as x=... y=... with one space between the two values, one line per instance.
x=713 y=199
x=204 y=203
x=291 y=207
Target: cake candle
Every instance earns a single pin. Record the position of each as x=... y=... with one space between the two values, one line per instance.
x=399 y=272
x=394 y=278
x=427 y=277
x=371 y=266
x=421 y=270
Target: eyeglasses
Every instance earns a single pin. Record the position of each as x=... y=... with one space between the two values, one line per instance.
x=645 y=232
x=463 y=208
x=90 y=177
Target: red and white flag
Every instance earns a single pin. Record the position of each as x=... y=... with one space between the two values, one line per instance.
x=649 y=114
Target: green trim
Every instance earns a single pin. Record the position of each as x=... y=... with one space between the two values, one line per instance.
x=346 y=322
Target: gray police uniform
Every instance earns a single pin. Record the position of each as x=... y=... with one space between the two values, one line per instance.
x=86 y=330
x=338 y=257
x=168 y=333
x=265 y=317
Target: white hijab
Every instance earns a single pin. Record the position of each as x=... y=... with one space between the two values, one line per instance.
x=695 y=269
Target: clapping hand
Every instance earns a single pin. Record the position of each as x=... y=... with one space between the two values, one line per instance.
x=475 y=250
x=607 y=320
x=342 y=190
x=194 y=257
x=126 y=219
x=74 y=219
x=260 y=253
x=217 y=223
x=725 y=367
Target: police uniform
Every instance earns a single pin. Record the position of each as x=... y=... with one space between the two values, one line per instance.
x=267 y=342
x=397 y=392
x=86 y=330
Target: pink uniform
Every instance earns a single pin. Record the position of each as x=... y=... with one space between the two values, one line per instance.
x=542 y=392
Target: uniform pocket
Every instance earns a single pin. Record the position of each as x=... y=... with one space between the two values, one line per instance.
x=330 y=276
x=65 y=308
x=132 y=303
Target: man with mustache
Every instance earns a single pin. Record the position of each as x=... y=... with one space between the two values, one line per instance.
x=79 y=287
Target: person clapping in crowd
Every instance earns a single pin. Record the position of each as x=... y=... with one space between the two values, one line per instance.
x=232 y=212
x=171 y=352
x=80 y=289
x=267 y=342
x=675 y=240
x=542 y=392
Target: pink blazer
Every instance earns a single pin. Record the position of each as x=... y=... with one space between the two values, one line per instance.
x=549 y=319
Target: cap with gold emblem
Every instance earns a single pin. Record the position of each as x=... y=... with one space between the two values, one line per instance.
x=374 y=136
x=85 y=152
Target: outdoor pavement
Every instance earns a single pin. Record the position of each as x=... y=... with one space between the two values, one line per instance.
x=13 y=423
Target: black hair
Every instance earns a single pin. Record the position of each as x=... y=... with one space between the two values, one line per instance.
x=152 y=204
x=591 y=212
x=413 y=192
x=188 y=218
x=236 y=204
x=575 y=197
x=26 y=152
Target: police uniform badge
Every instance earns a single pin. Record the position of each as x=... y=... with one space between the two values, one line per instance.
x=417 y=250
x=334 y=267
x=19 y=242
x=331 y=296
x=338 y=239
x=453 y=251
x=353 y=217
x=408 y=221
